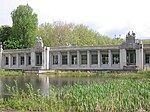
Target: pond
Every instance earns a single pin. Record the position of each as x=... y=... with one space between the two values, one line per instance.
x=41 y=82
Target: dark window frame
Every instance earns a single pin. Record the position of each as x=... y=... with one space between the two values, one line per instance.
x=6 y=60
x=105 y=58
x=14 y=60
x=116 y=58
x=74 y=59
x=55 y=59
x=21 y=60
x=147 y=58
x=64 y=59
x=94 y=58
x=83 y=59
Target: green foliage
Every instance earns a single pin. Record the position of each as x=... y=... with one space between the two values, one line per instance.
x=62 y=34
x=10 y=73
x=24 y=27
x=5 y=35
x=11 y=43
x=146 y=41
x=103 y=74
x=110 y=95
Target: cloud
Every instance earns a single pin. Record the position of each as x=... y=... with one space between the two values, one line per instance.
x=105 y=16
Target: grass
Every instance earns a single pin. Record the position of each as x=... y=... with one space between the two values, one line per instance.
x=11 y=72
x=71 y=73
x=102 y=74
x=119 y=95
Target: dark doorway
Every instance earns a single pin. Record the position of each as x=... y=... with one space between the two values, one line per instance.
x=38 y=59
x=131 y=57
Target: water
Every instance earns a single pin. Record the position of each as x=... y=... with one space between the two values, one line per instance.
x=41 y=82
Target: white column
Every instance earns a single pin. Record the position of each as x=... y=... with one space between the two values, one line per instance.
x=123 y=58
x=25 y=59
x=99 y=58
x=109 y=58
x=68 y=58
x=50 y=60
x=78 y=58
x=59 y=58
x=17 y=60
x=33 y=58
x=88 y=58
x=10 y=63
x=139 y=58
x=43 y=59
x=47 y=57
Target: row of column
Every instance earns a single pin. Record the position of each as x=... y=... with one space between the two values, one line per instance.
x=18 y=60
x=88 y=58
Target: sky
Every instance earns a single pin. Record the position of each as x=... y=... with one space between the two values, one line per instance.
x=108 y=17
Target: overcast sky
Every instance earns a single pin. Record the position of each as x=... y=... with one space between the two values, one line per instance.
x=108 y=17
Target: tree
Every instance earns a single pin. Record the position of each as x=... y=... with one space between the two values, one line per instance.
x=25 y=24
x=62 y=34
x=56 y=34
x=5 y=35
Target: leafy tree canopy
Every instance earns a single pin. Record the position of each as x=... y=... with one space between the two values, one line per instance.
x=25 y=24
x=61 y=34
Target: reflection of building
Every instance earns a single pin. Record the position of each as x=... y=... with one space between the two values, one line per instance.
x=129 y=55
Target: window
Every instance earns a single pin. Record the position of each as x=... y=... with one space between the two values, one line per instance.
x=64 y=59
x=29 y=60
x=104 y=58
x=39 y=59
x=83 y=59
x=147 y=58
x=116 y=58
x=55 y=59
x=94 y=59
x=22 y=60
x=74 y=59
x=14 y=60
x=6 y=61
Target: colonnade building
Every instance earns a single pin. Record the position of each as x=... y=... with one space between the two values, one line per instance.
x=131 y=54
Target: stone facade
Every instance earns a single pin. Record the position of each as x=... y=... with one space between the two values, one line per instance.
x=131 y=54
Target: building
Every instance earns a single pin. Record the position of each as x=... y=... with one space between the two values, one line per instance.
x=131 y=54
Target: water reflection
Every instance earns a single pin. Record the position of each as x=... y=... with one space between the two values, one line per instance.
x=41 y=82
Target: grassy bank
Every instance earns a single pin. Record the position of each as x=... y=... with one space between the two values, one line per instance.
x=119 y=95
x=102 y=74
x=11 y=72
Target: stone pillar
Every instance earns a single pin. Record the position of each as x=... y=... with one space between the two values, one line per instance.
x=123 y=58
x=17 y=60
x=99 y=58
x=33 y=58
x=88 y=58
x=143 y=59
x=78 y=58
x=10 y=62
x=1 y=56
x=59 y=58
x=25 y=59
x=139 y=58
x=50 y=60
x=109 y=58
x=45 y=57
x=68 y=58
